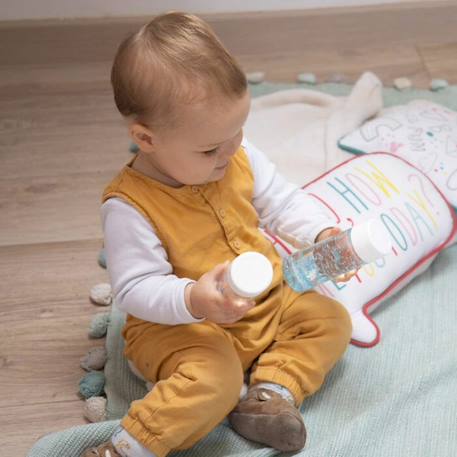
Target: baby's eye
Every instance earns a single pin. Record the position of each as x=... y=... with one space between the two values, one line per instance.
x=210 y=152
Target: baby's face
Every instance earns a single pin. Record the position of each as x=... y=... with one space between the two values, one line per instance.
x=199 y=150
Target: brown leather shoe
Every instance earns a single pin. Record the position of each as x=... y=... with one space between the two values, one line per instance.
x=104 y=450
x=266 y=417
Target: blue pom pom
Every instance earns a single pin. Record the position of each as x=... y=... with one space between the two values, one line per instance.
x=134 y=148
x=92 y=384
x=102 y=258
x=438 y=84
x=99 y=325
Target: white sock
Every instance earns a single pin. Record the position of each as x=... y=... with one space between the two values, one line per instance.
x=281 y=390
x=128 y=446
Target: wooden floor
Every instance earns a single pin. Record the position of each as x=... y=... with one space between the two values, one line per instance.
x=61 y=141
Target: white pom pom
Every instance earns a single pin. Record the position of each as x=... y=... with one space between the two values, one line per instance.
x=255 y=77
x=307 y=78
x=101 y=294
x=402 y=83
x=95 y=409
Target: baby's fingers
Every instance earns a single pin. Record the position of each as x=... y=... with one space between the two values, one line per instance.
x=346 y=276
x=240 y=307
x=243 y=304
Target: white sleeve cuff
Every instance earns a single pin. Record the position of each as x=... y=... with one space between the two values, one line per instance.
x=186 y=315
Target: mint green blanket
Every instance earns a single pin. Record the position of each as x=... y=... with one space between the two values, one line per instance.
x=398 y=399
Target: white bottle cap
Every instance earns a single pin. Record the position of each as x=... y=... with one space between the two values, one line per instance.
x=371 y=240
x=250 y=274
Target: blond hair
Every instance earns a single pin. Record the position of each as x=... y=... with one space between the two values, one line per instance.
x=176 y=58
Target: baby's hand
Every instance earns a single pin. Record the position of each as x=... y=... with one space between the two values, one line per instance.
x=204 y=299
x=329 y=233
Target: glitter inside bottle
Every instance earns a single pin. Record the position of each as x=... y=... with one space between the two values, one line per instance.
x=335 y=256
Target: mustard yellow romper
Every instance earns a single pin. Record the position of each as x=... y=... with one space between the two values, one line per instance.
x=292 y=339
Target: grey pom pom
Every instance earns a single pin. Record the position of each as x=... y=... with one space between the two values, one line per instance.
x=95 y=359
x=337 y=78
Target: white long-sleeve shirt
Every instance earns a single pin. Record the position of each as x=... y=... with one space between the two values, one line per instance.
x=142 y=278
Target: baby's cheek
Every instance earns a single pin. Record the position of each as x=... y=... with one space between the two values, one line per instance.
x=200 y=175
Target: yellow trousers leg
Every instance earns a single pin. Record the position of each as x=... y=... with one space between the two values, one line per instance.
x=313 y=333
x=198 y=368
x=199 y=378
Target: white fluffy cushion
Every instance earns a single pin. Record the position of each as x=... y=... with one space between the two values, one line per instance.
x=418 y=217
x=421 y=132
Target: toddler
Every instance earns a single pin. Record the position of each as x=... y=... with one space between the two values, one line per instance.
x=193 y=199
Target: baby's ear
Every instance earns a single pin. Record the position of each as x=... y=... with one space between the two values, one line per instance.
x=141 y=136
